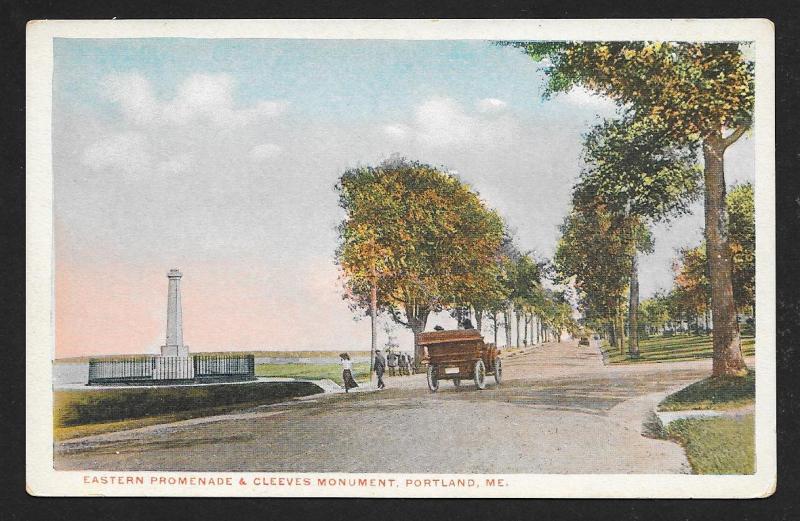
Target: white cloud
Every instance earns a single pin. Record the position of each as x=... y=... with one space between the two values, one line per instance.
x=441 y=122
x=165 y=136
x=265 y=151
x=134 y=95
x=491 y=105
x=206 y=98
x=126 y=151
x=397 y=131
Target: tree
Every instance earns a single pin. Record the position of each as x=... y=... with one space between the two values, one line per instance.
x=417 y=235
x=526 y=276
x=638 y=172
x=742 y=229
x=595 y=254
x=699 y=94
x=692 y=283
x=655 y=312
x=692 y=291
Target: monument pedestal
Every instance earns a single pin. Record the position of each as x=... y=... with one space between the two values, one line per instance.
x=175 y=350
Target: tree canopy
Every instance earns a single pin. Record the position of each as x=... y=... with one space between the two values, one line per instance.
x=636 y=169
x=417 y=233
x=690 y=90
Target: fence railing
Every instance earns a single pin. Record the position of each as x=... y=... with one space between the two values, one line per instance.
x=166 y=369
x=208 y=366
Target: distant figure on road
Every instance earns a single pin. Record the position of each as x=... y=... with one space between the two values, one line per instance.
x=405 y=363
x=391 y=360
x=467 y=324
x=347 y=373
x=380 y=367
x=410 y=364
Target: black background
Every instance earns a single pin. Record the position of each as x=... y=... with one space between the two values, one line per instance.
x=17 y=505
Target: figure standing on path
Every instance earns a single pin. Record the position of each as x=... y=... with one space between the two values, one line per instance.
x=380 y=367
x=347 y=373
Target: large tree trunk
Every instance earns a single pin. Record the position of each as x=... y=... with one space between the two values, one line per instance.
x=417 y=320
x=478 y=319
x=516 y=313
x=612 y=334
x=728 y=359
x=495 y=326
x=525 y=323
x=633 y=309
x=507 y=325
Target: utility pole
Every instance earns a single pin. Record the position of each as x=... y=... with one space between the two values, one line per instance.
x=373 y=304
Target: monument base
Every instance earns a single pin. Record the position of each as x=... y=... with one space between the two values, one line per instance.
x=174 y=350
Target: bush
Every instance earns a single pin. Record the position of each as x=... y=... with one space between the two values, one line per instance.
x=80 y=407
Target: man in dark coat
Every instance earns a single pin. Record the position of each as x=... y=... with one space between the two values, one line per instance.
x=380 y=367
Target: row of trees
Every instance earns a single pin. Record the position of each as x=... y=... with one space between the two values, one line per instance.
x=676 y=100
x=416 y=240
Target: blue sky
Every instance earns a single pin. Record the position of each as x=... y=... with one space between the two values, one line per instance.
x=220 y=156
x=333 y=79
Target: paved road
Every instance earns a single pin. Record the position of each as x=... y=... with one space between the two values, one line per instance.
x=558 y=410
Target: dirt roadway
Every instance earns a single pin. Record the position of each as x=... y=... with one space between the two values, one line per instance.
x=559 y=410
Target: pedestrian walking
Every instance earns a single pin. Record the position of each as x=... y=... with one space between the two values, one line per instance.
x=347 y=372
x=391 y=360
x=380 y=367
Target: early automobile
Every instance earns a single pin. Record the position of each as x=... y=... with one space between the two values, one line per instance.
x=459 y=355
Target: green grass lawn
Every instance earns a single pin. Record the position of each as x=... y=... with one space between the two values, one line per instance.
x=720 y=445
x=724 y=445
x=313 y=371
x=723 y=392
x=672 y=349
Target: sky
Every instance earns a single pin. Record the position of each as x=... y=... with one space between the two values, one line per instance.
x=219 y=157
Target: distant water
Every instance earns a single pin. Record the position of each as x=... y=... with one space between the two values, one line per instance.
x=78 y=372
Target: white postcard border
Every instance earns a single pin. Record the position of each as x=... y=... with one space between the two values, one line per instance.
x=42 y=479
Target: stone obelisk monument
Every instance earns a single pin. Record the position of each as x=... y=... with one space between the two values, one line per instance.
x=174 y=345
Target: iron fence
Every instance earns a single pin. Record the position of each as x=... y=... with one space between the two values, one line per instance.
x=210 y=366
x=153 y=370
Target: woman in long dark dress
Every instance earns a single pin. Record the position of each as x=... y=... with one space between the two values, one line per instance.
x=347 y=373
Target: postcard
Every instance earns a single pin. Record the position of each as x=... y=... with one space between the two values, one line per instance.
x=401 y=258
